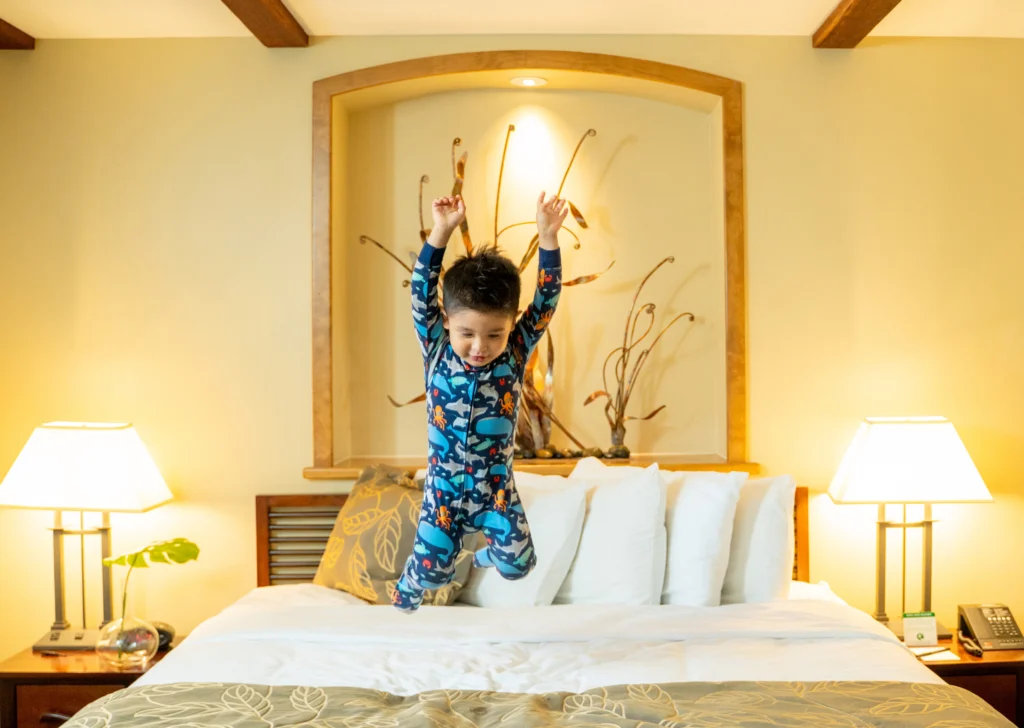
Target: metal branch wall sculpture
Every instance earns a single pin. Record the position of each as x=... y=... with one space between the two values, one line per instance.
x=536 y=413
x=626 y=377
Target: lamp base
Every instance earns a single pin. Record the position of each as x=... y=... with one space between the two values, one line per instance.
x=62 y=640
x=896 y=625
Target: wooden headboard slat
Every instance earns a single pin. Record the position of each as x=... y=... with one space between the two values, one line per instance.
x=290 y=529
x=276 y=561
x=297 y=552
x=801 y=537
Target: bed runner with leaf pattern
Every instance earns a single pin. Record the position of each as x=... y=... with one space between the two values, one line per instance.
x=677 y=705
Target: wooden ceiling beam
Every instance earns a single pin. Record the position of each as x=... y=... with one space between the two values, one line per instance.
x=270 y=22
x=12 y=39
x=851 y=22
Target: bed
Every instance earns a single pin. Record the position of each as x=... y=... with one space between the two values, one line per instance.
x=292 y=653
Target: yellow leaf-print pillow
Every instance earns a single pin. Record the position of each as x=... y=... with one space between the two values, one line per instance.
x=373 y=536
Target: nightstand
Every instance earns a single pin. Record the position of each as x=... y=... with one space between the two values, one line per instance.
x=997 y=678
x=38 y=691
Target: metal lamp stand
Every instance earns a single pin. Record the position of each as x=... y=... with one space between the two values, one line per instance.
x=62 y=636
x=925 y=524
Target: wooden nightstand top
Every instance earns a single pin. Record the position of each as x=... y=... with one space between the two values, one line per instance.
x=27 y=664
x=967 y=662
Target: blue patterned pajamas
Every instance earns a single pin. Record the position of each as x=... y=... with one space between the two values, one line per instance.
x=471 y=425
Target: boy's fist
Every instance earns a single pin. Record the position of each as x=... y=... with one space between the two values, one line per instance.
x=449 y=212
x=551 y=213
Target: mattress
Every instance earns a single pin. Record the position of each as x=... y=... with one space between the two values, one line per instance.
x=310 y=657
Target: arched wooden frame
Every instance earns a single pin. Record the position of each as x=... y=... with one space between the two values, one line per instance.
x=731 y=93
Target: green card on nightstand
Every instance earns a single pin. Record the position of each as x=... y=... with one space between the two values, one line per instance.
x=919 y=629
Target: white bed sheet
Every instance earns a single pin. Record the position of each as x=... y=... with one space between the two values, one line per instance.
x=314 y=636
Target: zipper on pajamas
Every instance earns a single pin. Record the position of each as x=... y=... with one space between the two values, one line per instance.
x=465 y=441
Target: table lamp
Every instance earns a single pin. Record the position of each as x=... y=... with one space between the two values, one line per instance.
x=907 y=460
x=82 y=466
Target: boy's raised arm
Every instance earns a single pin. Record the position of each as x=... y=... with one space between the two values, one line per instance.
x=448 y=213
x=551 y=213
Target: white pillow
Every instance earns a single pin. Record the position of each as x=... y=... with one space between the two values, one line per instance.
x=699 y=512
x=596 y=468
x=621 y=555
x=700 y=507
x=761 y=554
x=554 y=509
x=820 y=592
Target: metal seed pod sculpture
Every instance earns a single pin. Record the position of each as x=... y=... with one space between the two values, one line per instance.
x=536 y=411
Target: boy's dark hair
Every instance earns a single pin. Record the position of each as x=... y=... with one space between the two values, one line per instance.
x=485 y=281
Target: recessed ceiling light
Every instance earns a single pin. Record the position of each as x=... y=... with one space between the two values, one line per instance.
x=529 y=81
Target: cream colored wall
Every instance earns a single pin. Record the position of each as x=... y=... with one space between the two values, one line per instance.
x=646 y=177
x=154 y=199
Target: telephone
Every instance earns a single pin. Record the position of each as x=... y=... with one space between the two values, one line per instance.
x=991 y=626
x=166 y=634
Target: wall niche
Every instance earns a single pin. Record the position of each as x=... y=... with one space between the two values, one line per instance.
x=662 y=177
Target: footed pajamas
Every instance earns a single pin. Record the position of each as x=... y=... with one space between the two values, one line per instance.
x=471 y=425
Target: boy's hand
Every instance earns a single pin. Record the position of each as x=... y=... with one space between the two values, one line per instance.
x=449 y=212
x=551 y=213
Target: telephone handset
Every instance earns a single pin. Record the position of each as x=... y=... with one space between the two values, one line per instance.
x=991 y=626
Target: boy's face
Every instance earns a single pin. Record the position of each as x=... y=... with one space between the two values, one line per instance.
x=478 y=338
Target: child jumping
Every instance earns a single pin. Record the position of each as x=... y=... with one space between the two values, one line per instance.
x=474 y=357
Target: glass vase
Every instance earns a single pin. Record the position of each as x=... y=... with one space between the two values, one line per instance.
x=128 y=643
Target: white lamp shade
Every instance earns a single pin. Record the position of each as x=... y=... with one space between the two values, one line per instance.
x=84 y=466
x=908 y=460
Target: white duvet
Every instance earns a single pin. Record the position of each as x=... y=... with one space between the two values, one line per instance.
x=313 y=636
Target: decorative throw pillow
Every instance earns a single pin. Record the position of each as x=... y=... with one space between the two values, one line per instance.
x=373 y=536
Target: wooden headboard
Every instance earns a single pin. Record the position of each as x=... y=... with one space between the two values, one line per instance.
x=292 y=533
